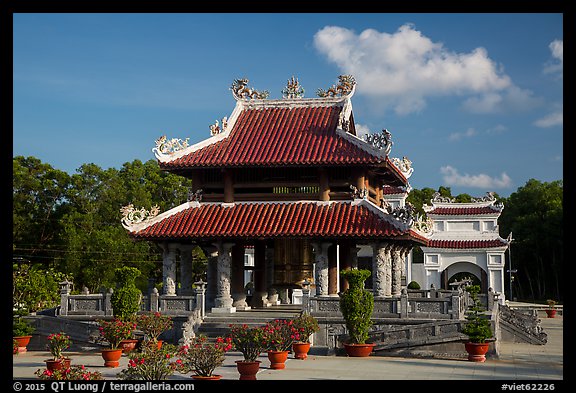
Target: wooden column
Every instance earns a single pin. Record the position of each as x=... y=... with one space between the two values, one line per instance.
x=228 y=186
x=345 y=262
x=333 y=269
x=324 y=185
x=260 y=290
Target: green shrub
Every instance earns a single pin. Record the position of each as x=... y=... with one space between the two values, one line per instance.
x=357 y=305
x=21 y=328
x=126 y=298
x=413 y=285
x=477 y=327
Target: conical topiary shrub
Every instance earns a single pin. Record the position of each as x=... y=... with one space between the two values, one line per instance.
x=356 y=306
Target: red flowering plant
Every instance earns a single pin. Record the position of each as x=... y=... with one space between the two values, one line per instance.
x=279 y=334
x=202 y=357
x=78 y=372
x=57 y=344
x=14 y=346
x=151 y=363
x=113 y=332
x=153 y=324
x=248 y=340
x=306 y=325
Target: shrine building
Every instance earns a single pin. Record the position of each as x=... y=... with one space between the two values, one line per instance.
x=290 y=181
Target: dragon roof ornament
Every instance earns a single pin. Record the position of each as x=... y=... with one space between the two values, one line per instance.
x=216 y=128
x=405 y=166
x=293 y=89
x=165 y=147
x=132 y=216
x=240 y=90
x=437 y=197
x=345 y=87
x=423 y=225
x=381 y=141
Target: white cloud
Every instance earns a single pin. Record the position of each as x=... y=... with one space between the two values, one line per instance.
x=452 y=177
x=407 y=67
x=361 y=130
x=551 y=120
x=456 y=136
x=557 y=64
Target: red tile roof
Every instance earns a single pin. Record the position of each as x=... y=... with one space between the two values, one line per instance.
x=464 y=211
x=280 y=135
x=391 y=190
x=466 y=243
x=276 y=219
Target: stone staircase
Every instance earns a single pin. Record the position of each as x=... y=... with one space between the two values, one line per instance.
x=215 y=324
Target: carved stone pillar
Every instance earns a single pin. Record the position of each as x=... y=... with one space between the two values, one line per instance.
x=223 y=301
x=169 y=269
x=237 y=278
x=397 y=263
x=186 y=269
x=388 y=271
x=321 y=268
x=379 y=269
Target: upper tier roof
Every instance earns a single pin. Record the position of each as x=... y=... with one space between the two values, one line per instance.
x=284 y=132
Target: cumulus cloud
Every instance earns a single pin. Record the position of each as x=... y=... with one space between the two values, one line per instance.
x=456 y=136
x=361 y=130
x=452 y=177
x=551 y=120
x=406 y=67
x=557 y=64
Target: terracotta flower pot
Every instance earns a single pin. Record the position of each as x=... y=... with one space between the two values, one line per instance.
x=476 y=351
x=359 y=350
x=128 y=345
x=551 y=313
x=248 y=370
x=111 y=357
x=301 y=350
x=213 y=377
x=23 y=341
x=277 y=359
x=59 y=364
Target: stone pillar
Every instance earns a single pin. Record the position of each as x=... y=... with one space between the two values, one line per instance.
x=223 y=301
x=333 y=270
x=238 y=291
x=260 y=290
x=321 y=268
x=169 y=269
x=379 y=269
x=397 y=263
x=211 y=276
x=186 y=269
x=388 y=271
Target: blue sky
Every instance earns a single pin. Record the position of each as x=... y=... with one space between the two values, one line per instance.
x=474 y=100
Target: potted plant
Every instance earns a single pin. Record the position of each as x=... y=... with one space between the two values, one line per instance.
x=305 y=325
x=151 y=363
x=279 y=335
x=57 y=344
x=477 y=328
x=202 y=357
x=22 y=332
x=551 y=310
x=78 y=372
x=250 y=342
x=14 y=346
x=356 y=306
x=153 y=324
x=113 y=332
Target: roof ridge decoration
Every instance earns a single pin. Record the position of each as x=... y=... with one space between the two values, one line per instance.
x=132 y=216
x=405 y=166
x=215 y=128
x=489 y=200
x=240 y=91
x=293 y=89
x=345 y=87
x=165 y=147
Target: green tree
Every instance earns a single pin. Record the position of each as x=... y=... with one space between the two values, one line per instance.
x=35 y=288
x=534 y=215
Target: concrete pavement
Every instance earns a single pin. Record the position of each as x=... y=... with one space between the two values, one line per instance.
x=517 y=362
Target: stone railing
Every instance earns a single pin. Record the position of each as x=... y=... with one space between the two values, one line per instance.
x=451 y=305
x=99 y=304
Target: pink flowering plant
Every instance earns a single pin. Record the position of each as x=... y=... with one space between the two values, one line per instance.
x=113 y=332
x=57 y=344
x=153 y=324
x=78 y=372
x=279 y=334
x=306 y=325
x=248 y=340
x=202 y=357
x=151 y=363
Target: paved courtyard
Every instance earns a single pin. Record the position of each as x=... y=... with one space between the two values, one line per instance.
x=517 y=362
